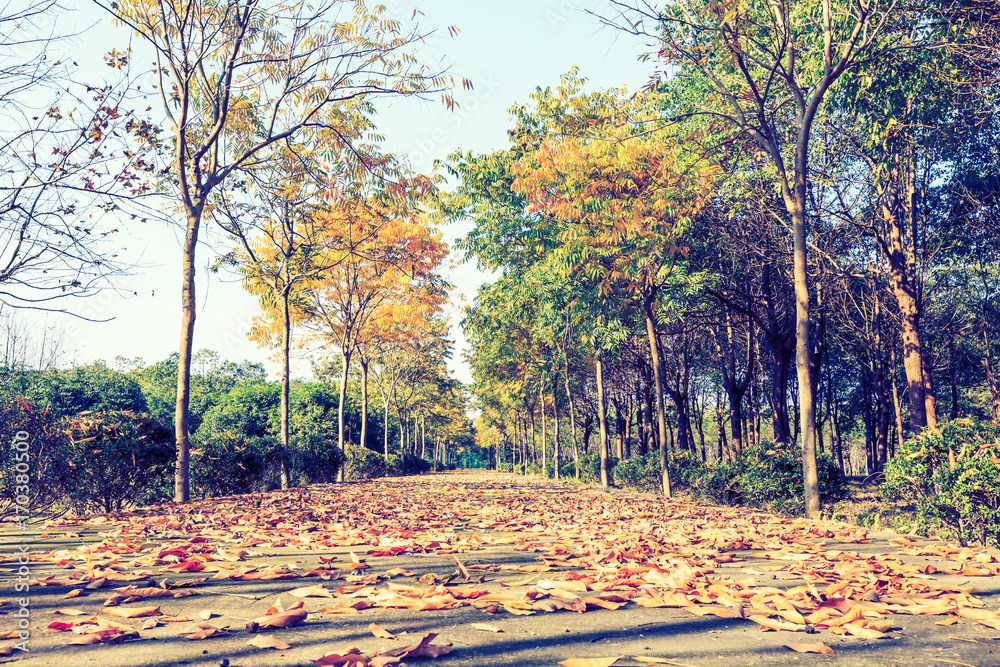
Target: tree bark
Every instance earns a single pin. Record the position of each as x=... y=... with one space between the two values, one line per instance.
x=182 y=471
x=602 y=415
x=286 y=378
x=647 y=310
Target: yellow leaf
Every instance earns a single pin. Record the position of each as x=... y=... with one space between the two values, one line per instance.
x=590 y=662
x=818 y=647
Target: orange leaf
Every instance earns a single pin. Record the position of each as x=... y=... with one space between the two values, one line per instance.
x=818 y=647
x=133 y=612
x=268 y=641
x=378 y=631
x=590 y=662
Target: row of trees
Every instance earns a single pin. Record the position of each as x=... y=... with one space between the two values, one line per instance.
x=236 y=411
x=814 y=181
x=266 y=130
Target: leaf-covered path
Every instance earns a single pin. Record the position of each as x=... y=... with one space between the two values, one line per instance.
x=504 y=571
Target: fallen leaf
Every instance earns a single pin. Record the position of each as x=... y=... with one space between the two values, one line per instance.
x=486 y=627
x=132 y=612
x=311 y=592
x=818 y=647
x=590 y=662
x=378 y=631
x=268 y=641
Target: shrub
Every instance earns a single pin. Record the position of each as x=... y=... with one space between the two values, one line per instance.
x=364 y=463
x=414 y=465
x=953 y=478
x=48 y=470
x=640 y=472
x=117 y=457
x=315 y=459
x=718 y=483
x=769 y=476
x=643 y=472
x=590 y=468
x=225 y=464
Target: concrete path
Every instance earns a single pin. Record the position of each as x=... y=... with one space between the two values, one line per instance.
x=563 y=571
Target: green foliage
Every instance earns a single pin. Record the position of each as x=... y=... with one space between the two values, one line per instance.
x=246 y=410
x=953 y=478
x=363 y=463
x=229 y=463
x=118 y=458
x=643 y=472
x=414 y=465
x=315 y=459
x=42 y=459
x=590 y=468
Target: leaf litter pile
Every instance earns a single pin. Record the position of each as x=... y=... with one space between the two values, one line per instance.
x=582 y=552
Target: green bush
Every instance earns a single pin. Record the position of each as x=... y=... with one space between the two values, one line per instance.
x=225 y=464
x=42 y=458
x=641 y=473
x=768 y=476
x=718 y=483
x=314 y=458
x=118 y=457
x=364 y=463
x=590 y=469
x=953 y=479
x=414 y=465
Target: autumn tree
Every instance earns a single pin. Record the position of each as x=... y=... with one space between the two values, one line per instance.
x=384 y=268
x=236 y=77
x=764 y=70
x=623 y=190
x=282 y=245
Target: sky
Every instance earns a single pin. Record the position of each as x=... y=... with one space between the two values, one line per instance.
x=505 y=48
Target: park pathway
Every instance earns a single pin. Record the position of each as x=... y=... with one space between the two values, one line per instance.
x=503 y=570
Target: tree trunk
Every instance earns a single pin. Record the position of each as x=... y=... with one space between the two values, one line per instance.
x=602 y=415
x=654 y=355
x=286 y=376
x=572 y=415
x=363 y=360
x=555 y=419
x=182 y=478
x=541 y=403
x=345 y=356
x=803 y=347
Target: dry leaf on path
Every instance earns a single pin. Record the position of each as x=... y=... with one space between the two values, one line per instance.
x=590 y=662
x=338 y=660
x=486 y=627
x=268 y=641
x=281 y=620
x=311 y=592
x=133 y=612
x=380 y=632
x=818 y=647
x=205 y=631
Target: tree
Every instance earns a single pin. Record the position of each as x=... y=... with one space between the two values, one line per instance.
x=382 y=268
x=283 y=244
x=623 y=191
x=72 y=156
x=764 y=70
x=239 y=76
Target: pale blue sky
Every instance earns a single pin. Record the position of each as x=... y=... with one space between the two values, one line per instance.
x=505 y=48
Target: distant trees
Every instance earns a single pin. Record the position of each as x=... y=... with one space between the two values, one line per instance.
x=237 y=78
